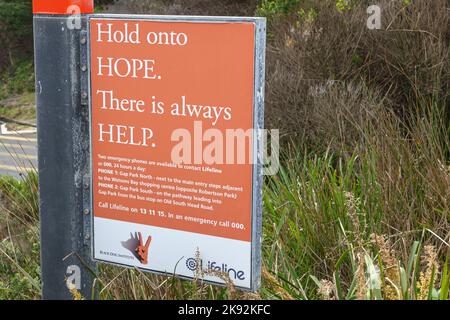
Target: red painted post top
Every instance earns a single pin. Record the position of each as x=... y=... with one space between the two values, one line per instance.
x=63 y=6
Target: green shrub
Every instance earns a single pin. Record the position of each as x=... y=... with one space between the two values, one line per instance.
x=270 y=8
x=19 y=80
x=16 y=32
x=16 y=37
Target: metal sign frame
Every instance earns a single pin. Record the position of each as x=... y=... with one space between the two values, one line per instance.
x=63 y=153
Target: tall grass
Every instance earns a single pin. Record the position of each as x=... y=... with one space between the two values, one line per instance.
x=329 y=233
x=322 y=216
x=19 y=237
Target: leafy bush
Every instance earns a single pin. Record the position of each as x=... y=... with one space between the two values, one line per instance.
x=16 y=31
x=19 y=80
x=270 y=8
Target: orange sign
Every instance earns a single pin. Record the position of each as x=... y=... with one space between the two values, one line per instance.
x=172 y=142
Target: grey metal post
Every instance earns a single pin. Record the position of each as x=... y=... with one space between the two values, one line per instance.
x=63 y=150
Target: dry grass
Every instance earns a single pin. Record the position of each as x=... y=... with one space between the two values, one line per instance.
x=191 y=7
x=407 y=61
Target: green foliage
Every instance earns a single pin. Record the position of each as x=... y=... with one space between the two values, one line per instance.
x=306 y=213
x=16 y=37
x=100 y=5
x=16 y=31
x=323 y=217
x=19 y=267
x=344 y=5
x=19 y=198
x=270 y=8
x=19 y=238
x=404 y=282
x=320 y=217
x=273 y=8
x=15 y=18
x=19 y=80
x=307 y=15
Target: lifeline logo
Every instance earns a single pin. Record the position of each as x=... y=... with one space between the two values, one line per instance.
x=192 y=264
x=142 y=250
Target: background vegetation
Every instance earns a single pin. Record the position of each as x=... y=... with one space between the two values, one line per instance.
x=360 y=207
x=16 y=37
